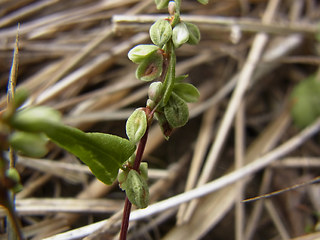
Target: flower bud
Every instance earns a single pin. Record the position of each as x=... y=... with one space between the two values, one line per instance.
x=151 y=104
x=172 y=8
x=155 y=91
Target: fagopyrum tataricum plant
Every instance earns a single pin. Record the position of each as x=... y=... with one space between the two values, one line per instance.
x=27 y=130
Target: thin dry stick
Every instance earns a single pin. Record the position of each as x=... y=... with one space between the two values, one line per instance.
x=201 y=147
x=239 y=162
x=252 y=223
x=242 y=85
x=277 y=220
x=211 y=23
x=25 y=11
x=227 y=179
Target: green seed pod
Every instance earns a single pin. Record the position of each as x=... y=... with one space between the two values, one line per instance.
x=32 y=119
x=29 y=144
x=150 y=68
x=140 y=52
x=176 y=111
x=136 y=125
x=155 y=91
x=186 y=91
x=180 y=34
x=137 y=189
x=160 y=32
x=194 y=33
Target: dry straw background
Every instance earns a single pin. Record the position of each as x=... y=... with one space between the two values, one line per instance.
x=240 y=141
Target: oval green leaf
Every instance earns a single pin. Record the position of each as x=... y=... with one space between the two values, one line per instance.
x=187 y=92
x=160 y=32
x=140 y=52
x=194 y=33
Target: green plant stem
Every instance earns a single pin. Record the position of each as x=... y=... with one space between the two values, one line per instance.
x=127 y=204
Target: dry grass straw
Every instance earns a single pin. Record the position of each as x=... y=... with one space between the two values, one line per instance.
x=72 y=56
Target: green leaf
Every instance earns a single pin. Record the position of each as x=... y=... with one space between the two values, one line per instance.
x=140 y=52
x=194 y=33
x=176 y=111
x=160 y=32
x=181 y=78
x=187 y=92
x=150 y=68
x=161 y=4
x=180 y=34
x=306 y=102
x=103 y=153
x=136 y=125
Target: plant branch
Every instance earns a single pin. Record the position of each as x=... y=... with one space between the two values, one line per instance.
x=125 y=219
x=141 y=147
x=128 y=204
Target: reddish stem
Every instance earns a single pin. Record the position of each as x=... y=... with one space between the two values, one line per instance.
x=125 y=219
x=141 y=147
x=127 y=204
